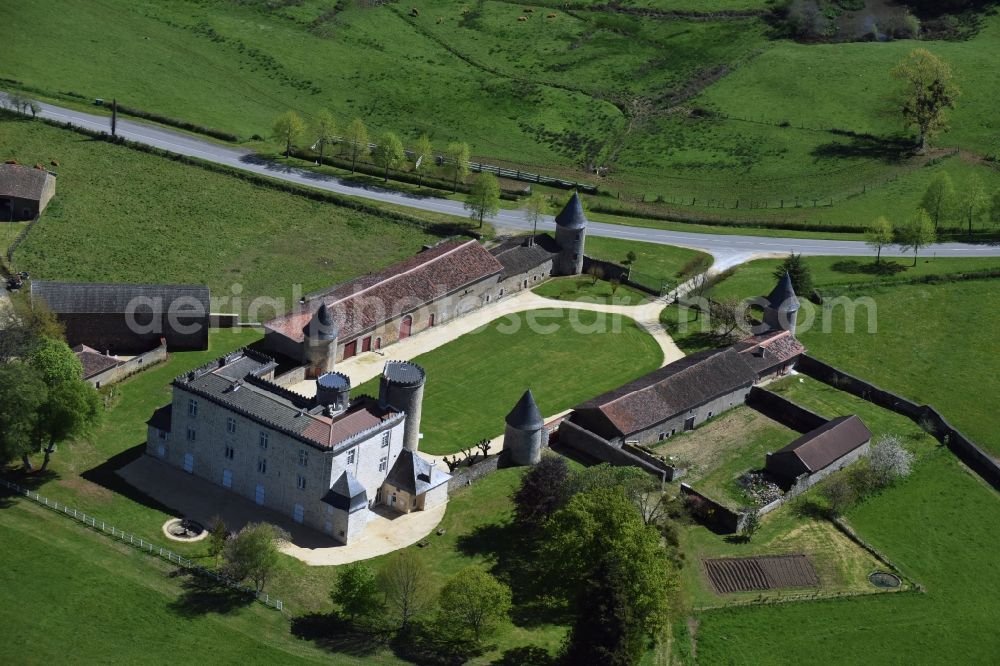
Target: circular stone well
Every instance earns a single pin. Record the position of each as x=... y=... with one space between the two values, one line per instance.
x=179 y=529
x=884 y=580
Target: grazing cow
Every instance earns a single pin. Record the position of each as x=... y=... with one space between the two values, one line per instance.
x=522 y=18
x=414 y=11
x=528 y=10
x=551 y=16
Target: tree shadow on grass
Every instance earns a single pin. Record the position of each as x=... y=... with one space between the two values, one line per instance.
x=857 y=267
x=891 y=149
x=30 y=480
x=201 y=596
x=513 y=550
x=105 y=476
x=333 y=633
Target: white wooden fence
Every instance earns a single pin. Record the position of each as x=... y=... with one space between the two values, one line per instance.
x=140 y=543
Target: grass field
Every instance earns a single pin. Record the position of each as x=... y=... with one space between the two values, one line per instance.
x=585 y=289
x=661 y=262
x=581 y=355
x=587 y=87
x=124 y=216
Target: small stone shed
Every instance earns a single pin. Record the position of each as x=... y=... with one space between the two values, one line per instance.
x=820 y=452
x=24 y=192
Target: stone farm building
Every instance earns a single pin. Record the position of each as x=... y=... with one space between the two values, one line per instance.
x=24 y=192
x=820 y=452
x=426 y=290
x=128 y=318
x=326 y=461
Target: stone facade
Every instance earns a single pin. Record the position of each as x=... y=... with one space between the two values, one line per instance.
x=24 y=192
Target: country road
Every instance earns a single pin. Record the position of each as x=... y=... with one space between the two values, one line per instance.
x=728 y=250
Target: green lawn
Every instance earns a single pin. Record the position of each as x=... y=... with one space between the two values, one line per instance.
x=661 y=262
x=124 y=216
x=937 y=526
x=563 y=356
x=586 y=290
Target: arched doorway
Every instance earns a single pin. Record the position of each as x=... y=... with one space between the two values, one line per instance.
x=405 y=327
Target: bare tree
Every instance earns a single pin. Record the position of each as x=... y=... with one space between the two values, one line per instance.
x=404 y=582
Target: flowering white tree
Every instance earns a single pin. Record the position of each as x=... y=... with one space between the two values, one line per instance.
x=889 y=460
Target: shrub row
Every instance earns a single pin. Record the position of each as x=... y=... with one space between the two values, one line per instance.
x=174 y=122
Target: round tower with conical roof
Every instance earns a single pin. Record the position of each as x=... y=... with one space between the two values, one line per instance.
x=321 y=342
x=524 y=435
x=402 y=387
x=782 y=306
x=571 y=234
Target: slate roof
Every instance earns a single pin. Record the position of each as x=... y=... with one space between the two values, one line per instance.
x=571 y=216
x=322 y=326
x=235 y=386
x=347 y=494
x=368 y=301
x=93 y=361
x=21 y=182
x=102 y=298
x=820 y=448
x=517 y=256
x=414 y=475
x=782 y=297
x=769 y=350
x=525 y=415
x=673 y=389
x=161 y=418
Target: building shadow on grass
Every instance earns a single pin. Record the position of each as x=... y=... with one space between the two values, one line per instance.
x=105 y=475
x=202 y=596
x=514 y=552
x=858 y=267
x=335 y=634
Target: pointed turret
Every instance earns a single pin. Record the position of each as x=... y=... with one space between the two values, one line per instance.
x=322 y=326
x=321 y=341
x=525 y=434
x=782 y=306
x=571 y=234
x=525 y=415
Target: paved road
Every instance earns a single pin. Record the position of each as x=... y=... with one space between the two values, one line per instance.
x=728 y=250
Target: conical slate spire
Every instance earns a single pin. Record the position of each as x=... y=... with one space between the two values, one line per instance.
x=572 y=216
x=783 y=295
x=525 y=415
x=321 y=326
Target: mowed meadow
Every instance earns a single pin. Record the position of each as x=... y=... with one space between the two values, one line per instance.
x=121 y=215
x=693 y=109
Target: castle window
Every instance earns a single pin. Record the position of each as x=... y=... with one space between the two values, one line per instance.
x=385 y=439
x=383 y=464
x=263 y=440
x=350 y=456
x=262 y=465
x=230 y=452
x=300 y=482
x=192 y=407
x=230 y=424
x=303 y=458
x=192 y=434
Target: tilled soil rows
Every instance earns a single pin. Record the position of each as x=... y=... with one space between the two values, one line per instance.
x=747 y=574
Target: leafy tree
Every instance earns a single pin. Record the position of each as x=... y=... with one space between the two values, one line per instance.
x=217 y=536
x=22 y=394
x=474 y=602
x=404 y=582
x=72 y=408
x=595 y=272
x=928 y=92
x=939 y=199
x=729 y=317
x=807 y=20
x=24 y=325
x=798 y=270
x=600 y=531
x=253 y=553
x=325 y=130
x=389 y=153
x=357 y=592
x=484 y=199
x=973 y=200
x=878 y=235
x=542 y=492
x=606 y=630
x=55 y=361
x=917 y=233
x=995 y=210
x=751 y=524
x=630 y=258
x=535 y=207
x=423 y=155
x=356 y=138
x=889 y=460
x=457 y=162
x=289 y=128
x=839 y=494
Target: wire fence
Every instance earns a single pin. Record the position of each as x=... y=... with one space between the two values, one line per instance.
x=141 y=544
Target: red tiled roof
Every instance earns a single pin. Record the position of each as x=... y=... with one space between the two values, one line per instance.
x=828 y=443
x=770 y=349
x=371 y=300
x=364 y=415
x=93 y=361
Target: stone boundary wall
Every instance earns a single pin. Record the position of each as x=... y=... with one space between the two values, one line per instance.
x=710 y=511
x=783 y=410
x=20 y=237
x=466 y=476
x=573 y=436
x=613 y=271
x=926 y=416
x=223 y=320
x=129 y=367
x=672 y=472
